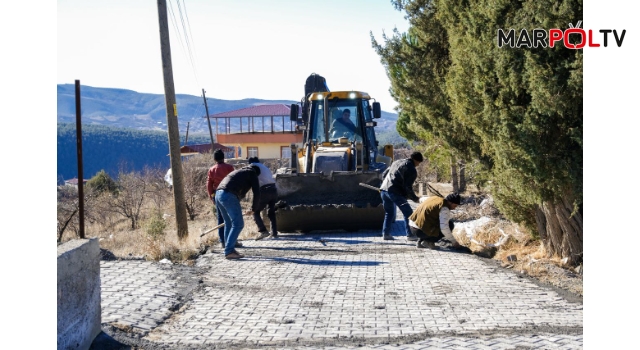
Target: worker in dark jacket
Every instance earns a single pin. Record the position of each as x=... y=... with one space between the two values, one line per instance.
x=397 y=187
x=268 y=198
x=231 y=190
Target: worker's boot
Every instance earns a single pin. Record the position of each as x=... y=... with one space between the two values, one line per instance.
x=261 y=235
x=422 y=243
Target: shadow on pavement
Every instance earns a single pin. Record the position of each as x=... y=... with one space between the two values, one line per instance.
x=103 y=341
x=303 y=248
x=345 y=241
x=319 y=250
x=306 y=261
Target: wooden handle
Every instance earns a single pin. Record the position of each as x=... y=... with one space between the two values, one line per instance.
x=369 y=187
x=211 y=229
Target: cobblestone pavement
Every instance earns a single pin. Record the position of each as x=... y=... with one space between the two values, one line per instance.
x=336 y=291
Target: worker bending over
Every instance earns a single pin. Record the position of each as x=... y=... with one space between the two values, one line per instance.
x=431 y=221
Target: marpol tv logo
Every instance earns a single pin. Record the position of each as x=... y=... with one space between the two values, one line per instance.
x=543 y=38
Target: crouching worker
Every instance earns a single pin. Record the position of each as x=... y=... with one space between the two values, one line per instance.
x=231 y=190
x=431 y=221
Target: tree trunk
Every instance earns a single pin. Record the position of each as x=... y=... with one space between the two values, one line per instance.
x=454 y=175
x=462 y=181
x=560 y=231
x=64 y=226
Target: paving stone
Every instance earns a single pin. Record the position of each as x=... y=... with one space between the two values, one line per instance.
x=356 y=285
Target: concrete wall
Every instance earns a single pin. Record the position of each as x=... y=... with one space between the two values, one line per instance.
x=78 y=293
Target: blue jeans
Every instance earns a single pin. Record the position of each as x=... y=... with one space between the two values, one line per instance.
x=389 y=202
x=220 y=221
x=228 y=205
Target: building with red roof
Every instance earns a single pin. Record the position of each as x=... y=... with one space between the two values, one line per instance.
x=263 y=131
x=188 y=150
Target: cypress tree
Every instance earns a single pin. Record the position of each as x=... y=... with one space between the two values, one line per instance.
x=519 y=110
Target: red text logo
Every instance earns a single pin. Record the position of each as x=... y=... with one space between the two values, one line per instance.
x=572 y=37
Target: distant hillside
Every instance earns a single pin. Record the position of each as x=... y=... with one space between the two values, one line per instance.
x=142 y=111
x=110 y=148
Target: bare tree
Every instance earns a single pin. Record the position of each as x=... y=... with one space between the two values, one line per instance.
x=133 y=187
x=194 y=173
x=157 y=193
x=68 y=208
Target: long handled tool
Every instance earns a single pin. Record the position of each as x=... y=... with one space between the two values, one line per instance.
x=369 y=187
x=377 y=189
x=434 y=191
x=211 y=229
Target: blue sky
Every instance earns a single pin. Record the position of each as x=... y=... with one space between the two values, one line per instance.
x=236 y=49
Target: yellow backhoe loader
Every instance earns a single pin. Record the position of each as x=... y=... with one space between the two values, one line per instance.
x=339 y=151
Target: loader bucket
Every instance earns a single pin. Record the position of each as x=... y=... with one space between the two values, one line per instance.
x=329 y=202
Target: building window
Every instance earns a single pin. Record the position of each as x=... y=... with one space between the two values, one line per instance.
x=252 y=152
x=285 y=152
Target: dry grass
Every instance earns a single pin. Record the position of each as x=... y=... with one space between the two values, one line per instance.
x=116 y=236
x=530 y=255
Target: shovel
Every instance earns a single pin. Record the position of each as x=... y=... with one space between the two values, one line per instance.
x=369 y=187
x=211 y=229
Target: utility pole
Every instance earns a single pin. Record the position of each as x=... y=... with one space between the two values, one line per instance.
x=206 y=109
x=172 y=123
x=186 y=138
x=80 y=165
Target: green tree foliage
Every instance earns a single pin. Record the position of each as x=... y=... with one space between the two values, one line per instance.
x=517 y=110
x=417 y=63
x=102 y=182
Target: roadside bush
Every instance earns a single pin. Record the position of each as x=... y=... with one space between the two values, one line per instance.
x=133 y=191
x=102 y=182
x=155 y=225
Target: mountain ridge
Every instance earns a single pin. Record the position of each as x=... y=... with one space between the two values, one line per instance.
x=146 y=111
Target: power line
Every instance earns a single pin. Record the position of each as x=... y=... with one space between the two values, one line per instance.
x=189 y=51
x=190 y=33
x=175 y=25
x=186 y=32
